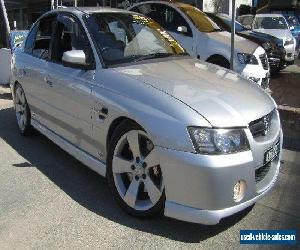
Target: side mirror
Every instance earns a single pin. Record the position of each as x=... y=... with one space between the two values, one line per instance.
x=76 y=59
x=182 y=29
x=292 y=28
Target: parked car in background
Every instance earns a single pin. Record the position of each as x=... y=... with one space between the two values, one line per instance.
x=272 y=45
x=276 y=25
x=16 y=37
x=294 y=25
x=169 y=132
x=204 y=39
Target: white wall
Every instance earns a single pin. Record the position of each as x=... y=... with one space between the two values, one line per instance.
x=5 y=56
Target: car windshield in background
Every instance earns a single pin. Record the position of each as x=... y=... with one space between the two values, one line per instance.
x=200 y=20
x=293 y=20
x=238 y=26
x=270 y=23
x=124 y=37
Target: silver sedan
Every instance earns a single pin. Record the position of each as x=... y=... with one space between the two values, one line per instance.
x=170 y=133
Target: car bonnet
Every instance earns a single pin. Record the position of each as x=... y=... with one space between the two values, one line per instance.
x=223 y=97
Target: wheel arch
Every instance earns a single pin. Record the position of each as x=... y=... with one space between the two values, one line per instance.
x=217 y=56
x=116 y=123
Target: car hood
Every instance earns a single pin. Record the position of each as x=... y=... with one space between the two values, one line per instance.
x=241 y=44
x=282 y=34
x=221 y=96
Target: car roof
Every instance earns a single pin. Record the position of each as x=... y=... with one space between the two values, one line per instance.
x=167 y=2
x=247 y=15
x=90 y=10
x=269 y=15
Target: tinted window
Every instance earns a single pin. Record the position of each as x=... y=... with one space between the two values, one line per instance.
x=270 y=23
x=69 y=36
x=44 y=33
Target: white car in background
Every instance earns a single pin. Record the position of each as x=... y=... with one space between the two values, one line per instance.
x=276 y=25
x=203 y=39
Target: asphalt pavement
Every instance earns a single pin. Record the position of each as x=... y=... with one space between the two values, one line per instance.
x=50 y=200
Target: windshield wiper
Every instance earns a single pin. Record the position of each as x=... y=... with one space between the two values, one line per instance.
x=154 y=55
x=216 y=30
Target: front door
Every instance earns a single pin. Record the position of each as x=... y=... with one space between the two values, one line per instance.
x=70 y=88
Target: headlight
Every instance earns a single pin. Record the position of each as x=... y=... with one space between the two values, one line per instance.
x=218 y=141
x=267 y=46
x=289 y=41
x=245 y=58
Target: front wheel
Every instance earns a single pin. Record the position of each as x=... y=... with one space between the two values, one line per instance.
x=134 y=172
x=220 y=61
x=22 y=111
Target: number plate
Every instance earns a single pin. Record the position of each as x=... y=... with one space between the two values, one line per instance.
x=271 y=153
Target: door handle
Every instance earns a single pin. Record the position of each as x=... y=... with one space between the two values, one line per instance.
x=47 y=81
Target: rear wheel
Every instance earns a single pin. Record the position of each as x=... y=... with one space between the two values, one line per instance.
x=22 y=110
x=134 y=172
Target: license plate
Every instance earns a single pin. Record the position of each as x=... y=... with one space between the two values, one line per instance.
x=271 y=153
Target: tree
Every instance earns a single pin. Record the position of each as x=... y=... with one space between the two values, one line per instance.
x=217 y=5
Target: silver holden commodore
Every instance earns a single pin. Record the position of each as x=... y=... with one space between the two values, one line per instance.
x=170 y=133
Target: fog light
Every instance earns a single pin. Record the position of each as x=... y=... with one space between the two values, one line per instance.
x=239 y=190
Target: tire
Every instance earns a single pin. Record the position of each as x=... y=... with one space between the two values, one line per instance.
x=220 y=61
x=133 y=171
x=22 y=110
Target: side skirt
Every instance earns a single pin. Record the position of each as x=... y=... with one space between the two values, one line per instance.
x=88 y=160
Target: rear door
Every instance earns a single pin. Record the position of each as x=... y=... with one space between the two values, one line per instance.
x=32 y=67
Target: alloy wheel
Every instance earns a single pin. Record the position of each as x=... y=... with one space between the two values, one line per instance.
x=21 y=108
x=136 y=171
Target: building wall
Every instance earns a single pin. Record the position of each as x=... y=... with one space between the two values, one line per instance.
x=225 y=5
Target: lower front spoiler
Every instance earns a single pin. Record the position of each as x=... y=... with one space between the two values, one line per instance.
x=210 y=217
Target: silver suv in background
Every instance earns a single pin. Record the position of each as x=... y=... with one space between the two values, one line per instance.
x=276 y=25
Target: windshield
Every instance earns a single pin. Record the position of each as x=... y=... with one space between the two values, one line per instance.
x=125 y=37
x=293 y=21
x=202 y=22
x=238 y=26
x=270 y=23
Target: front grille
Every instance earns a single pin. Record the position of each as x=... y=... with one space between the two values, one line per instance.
x=261 y=172
x=264 y=61
x=265 y=83
x=261 y=126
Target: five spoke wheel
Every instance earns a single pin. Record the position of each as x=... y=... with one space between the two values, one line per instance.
x=136 y=172
x=22 y=110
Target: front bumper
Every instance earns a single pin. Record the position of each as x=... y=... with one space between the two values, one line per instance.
x=199 y=188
